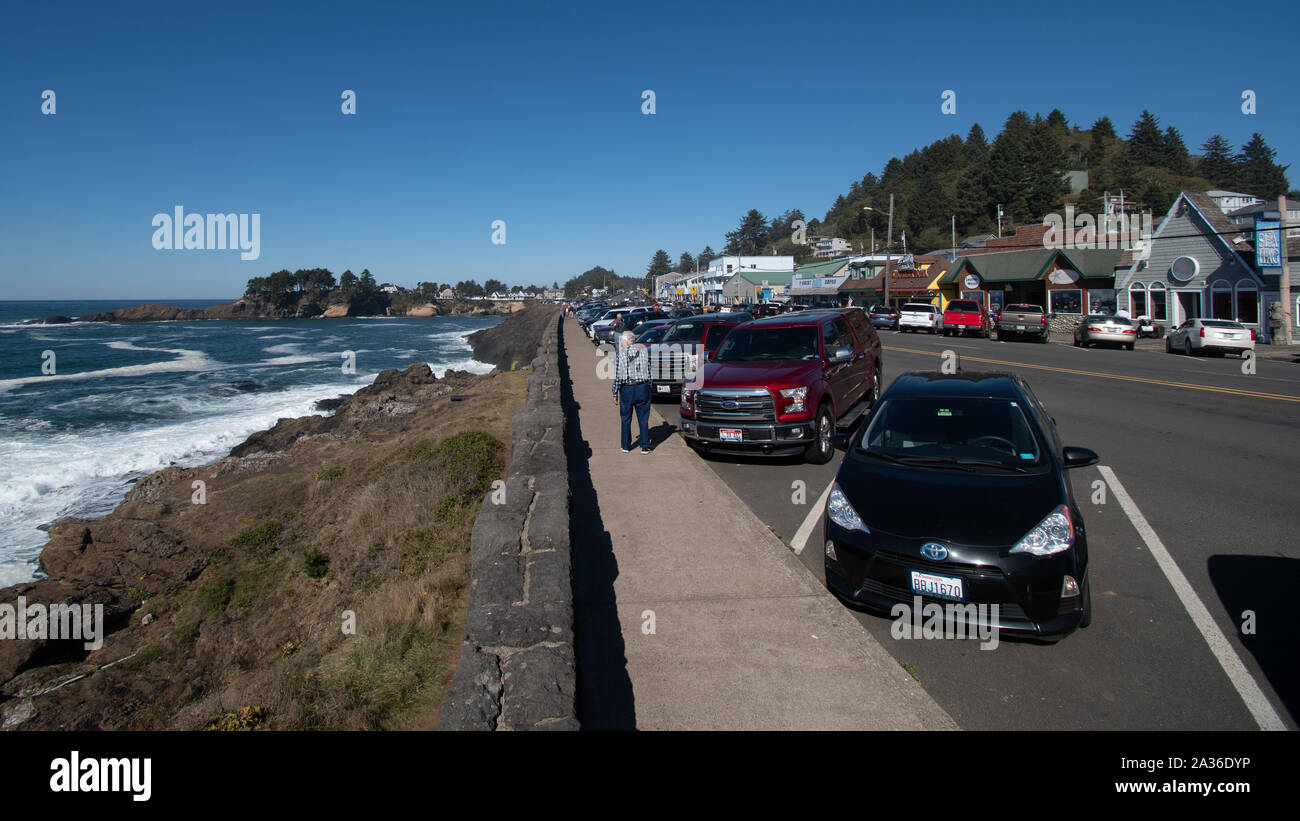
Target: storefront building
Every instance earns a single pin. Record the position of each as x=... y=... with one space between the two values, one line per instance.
x=1198 y=264
x=1064 y=282
x=818 y=284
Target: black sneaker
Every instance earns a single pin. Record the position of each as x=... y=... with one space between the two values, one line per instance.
x=645 y=450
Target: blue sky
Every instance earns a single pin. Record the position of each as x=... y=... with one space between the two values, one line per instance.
x=531 y=113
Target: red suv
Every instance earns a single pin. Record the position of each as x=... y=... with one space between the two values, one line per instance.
x=782 y=384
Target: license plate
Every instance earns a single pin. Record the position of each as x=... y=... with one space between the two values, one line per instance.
x=663 y=388
x=730 y=435
x=1227 y=336
x=1020 y=327
x=943 y=587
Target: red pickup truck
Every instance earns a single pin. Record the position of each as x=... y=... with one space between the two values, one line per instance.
x=782 y=384
x=963 y=316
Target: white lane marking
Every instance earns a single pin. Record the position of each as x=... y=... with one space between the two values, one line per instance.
x=810 y=521
x=1265 y=716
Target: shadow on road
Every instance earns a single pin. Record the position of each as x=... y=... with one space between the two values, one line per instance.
x=605 y=699
x=1264 y=585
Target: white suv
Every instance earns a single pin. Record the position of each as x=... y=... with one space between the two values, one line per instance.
x=920 y=316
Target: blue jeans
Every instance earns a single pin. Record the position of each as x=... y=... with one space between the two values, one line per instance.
x=636 y=397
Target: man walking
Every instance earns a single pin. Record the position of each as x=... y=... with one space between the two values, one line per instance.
x=632 y=389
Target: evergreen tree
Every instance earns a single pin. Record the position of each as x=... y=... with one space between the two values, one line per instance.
x=1103 y=128
x=1145 y=142
x=1217 y=163
x=751 y=236
x=686 y=263
x=1008 y=180
x=976 y=147
x=1176 y=158
x=705 y=257
x=1056 y=120
x=660 y=264
x=1045 y=167
x=1258 y=173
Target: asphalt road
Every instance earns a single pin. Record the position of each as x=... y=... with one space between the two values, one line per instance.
x=1207 y=454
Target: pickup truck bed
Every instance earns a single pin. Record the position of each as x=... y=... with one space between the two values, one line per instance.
x=1023 y=321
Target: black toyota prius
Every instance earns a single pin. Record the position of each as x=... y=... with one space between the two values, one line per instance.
x=955 y=490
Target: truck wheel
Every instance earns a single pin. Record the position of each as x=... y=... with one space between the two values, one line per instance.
x=821 y=451
x=876 y=375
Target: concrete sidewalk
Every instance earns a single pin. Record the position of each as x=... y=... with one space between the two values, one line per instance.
x=744 y=637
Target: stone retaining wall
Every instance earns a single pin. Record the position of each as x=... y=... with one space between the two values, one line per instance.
x=516 y=668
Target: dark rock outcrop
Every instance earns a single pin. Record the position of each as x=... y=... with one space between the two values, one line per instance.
x=513 y=343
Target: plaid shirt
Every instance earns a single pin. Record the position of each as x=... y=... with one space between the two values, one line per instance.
x=631 y=365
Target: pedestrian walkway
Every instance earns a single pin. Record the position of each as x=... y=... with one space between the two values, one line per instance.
x=691 y=613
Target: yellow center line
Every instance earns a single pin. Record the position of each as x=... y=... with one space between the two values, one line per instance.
x=1282 y=397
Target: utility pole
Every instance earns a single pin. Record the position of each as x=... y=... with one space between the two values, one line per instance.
x=954 y=236
x=889 y=232
x=999 y=220
x=1284 y=282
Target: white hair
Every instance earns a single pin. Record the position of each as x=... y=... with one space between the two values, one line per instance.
x=627 y=338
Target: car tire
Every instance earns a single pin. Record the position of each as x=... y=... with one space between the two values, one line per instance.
x=822 y=450
x=1187 y=347
x=877 y=374
x=1168 y=348
x=1129 y=346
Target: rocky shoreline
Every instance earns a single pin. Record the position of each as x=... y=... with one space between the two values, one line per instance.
x=253 y=309
x=224 y=588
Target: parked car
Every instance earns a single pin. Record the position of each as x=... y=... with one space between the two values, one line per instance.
x=882 y=316
x=963 y=316
x=633 y=320
x=781 y=385
x=684 y=347
x=1218 y=336
x=967 y=439
x=606 y=319
x=920 y=316
x=1099 y=329
x=681 y=313
x=648 y=333
x=1023 y=320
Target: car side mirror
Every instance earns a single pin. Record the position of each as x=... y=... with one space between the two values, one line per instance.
x=842 y=355
x=1079 y=457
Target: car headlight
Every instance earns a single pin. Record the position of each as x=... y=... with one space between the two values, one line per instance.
x=841 y=512
x=1052 y=535
x=688 y=399
x=796 y=397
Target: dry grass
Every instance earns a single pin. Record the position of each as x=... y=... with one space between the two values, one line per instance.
x=257 y=640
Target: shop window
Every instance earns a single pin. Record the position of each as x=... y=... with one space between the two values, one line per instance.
x=1102 y=301
x=978 y=296
x=1159 y=302
x=995 y=300
x=1248 y=304
x=1221 y=301
x=1137 y=301
x=1066 y=302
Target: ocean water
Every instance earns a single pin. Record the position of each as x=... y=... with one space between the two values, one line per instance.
x=126 y=399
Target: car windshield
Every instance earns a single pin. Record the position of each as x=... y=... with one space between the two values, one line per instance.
x=925 y=309
x=959 y=431
x=1110 y=320
x=686 y=332
x=1219 y=323
x=963 y=305
x=751 y=344
x=1024 y=309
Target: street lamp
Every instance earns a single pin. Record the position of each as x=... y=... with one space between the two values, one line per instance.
x=888 y=233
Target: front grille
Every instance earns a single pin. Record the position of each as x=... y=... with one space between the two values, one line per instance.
x=746 y=406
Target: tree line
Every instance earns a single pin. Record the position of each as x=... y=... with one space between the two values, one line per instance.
x=285 y=288
x=959 y=183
